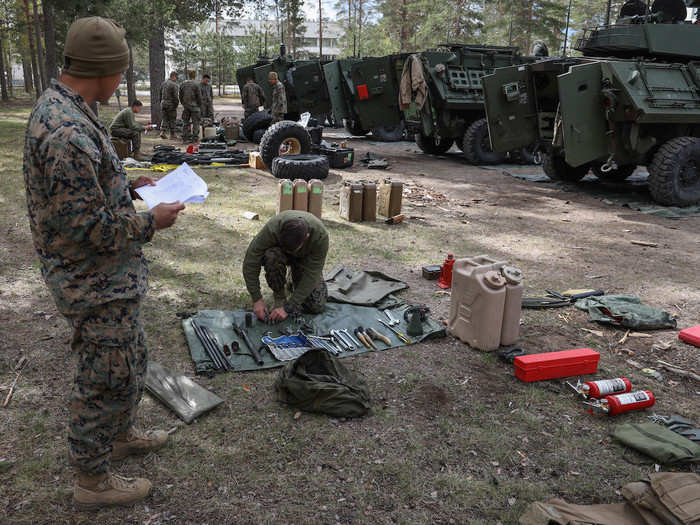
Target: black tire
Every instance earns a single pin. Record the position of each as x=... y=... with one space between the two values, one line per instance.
x=354 y=129
x=305 y=167
x=285 y=131
x=433 y=146
x=389 y=133
x=258 y=120
x=258 y=135
x=674 y=174
x=556 y=168
x=618 y=174
x=477 y=146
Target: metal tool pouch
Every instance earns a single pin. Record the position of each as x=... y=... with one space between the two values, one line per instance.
x=318 y=382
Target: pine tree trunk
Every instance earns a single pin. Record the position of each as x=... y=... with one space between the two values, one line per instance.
x=3 y=80
x=39 y=48
x=27 y=74
x=130 y=81
x=403 y=35
x=32 y=52
x=50 y=38
x=359 y=30
x=156 y=66
x=8 y=68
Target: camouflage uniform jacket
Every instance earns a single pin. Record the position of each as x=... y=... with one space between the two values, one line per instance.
x=169 y=94
x=252 y=95
x=310 y=257
x=190 y=95
x=84 y=225
x=126 y=119
x=279 y=99
x=206 y=92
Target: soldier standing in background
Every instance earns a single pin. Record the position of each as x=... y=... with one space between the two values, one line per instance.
x=169 y=101
x=207 y=97
x=252 y=97
x=191 y=100
x=88 y=237
x=278 y=108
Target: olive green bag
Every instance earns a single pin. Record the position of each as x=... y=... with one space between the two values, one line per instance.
x=318 y=382
x=662 y=444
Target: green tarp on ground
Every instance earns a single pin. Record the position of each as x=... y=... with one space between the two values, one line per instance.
x=625 y=310
x=336 y=316
x=362 y=288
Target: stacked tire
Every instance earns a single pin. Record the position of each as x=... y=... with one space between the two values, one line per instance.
x=286 y=149
x=260 y=120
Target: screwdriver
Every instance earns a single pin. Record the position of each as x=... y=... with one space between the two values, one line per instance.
x=398 y=334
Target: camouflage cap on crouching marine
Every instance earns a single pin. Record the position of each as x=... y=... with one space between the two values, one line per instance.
x=95 y=47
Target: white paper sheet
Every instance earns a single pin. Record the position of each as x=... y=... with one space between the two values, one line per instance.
x=181 y=184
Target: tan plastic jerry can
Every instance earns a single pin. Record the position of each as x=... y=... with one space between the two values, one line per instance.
x=478 y=302
x=351 y=197
x=285 y=195
x=301 y=195
x=369 y=201
x=390 y=197
x=315 y=197
x=510 y=329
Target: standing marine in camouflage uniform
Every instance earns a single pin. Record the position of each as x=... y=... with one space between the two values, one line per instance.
x=294 y=239
x=191 y=100
x=252 y=97
x=88 y=237
x=169 y=101
x=207 y=97
x=279 y=97
x=124 y=126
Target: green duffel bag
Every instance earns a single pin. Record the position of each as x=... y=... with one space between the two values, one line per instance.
x=318 y=382
x=654 y=440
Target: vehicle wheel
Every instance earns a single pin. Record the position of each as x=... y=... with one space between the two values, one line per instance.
x=258 y=120
x=477 y=146
x=674 y=174
x=354 y=129
x=389 y=133
x=305 y=167
x=618 y=174
x=432 y=145
x=556 y=168
x=284 y=138
x=258 y=135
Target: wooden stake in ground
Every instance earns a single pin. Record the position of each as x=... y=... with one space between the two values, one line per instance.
x=20 y=366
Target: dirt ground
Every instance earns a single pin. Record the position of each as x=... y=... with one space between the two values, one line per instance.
x=453 y=436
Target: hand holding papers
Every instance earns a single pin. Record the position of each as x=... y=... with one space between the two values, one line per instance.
x=181 y=184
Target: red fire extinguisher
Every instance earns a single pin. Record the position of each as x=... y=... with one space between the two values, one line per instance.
x=628 y=402
x=604 y=387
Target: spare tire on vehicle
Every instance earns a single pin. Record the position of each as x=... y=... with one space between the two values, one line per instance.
x=284 y=138
x=258 y=120
x=305 y=167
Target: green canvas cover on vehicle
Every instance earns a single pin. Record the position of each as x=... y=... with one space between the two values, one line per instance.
x=625 y=310
x=662 y=444
x=318 y=382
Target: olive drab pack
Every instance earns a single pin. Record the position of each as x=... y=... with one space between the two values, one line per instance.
x=318 y=382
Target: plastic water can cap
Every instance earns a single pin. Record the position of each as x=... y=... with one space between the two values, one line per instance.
x=494 y=280
x=512 y=274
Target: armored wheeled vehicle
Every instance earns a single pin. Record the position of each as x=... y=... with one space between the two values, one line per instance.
x=632 y=99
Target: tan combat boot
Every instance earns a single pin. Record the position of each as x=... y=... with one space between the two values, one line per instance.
x=135 y=441
x=163 y=135
x=137 y=155
x=107 y=489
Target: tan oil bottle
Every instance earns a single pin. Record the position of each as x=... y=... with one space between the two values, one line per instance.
x=477 y=302
x=301 y=195
x=351 y=201
x=390 y=196
x=315 y=187
x=510 y=329
x=285 y=195
x=369 y=201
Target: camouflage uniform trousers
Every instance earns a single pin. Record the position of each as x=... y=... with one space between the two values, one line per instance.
x=169 y=119
x=129 y=134
x=207 y=109
x=275 y=263
x=112 y=359
x=187 y=116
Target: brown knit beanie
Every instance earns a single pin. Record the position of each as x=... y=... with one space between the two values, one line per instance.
x=95 y=47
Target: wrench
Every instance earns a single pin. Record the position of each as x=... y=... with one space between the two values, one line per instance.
x=392 y=320
x=343 y=342
x=354 y=341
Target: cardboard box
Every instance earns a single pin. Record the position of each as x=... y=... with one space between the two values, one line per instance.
x=554 y=365
x=255 y=160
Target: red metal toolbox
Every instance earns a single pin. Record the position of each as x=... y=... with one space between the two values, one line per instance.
x=690 y=335
x=551 y=365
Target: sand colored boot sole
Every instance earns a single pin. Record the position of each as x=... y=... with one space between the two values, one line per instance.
x=107 y=490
